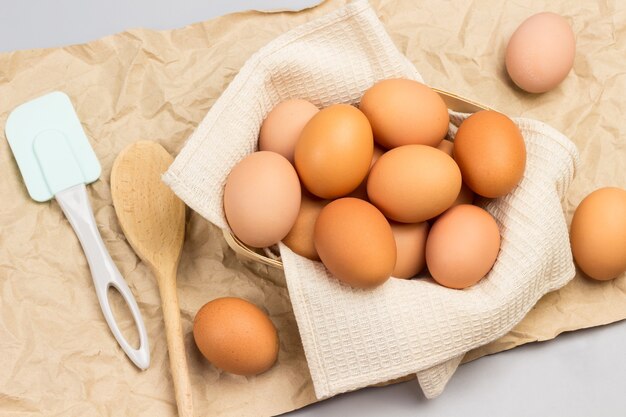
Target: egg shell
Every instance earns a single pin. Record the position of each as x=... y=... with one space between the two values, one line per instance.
x=598 y=234
x=413 y=183
x=334 y=151
x=446 y=146
x=411 y=248
x=361 y=190
x=541 y=52
x=466 y=196
x=355 y=242
x=491 y=153
x=262 y=198
x=404 y=112
x=300 y=237
x=236 y=336
x=283 y=125
x=462 y=246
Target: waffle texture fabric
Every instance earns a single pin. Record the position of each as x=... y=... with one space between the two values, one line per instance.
x=355 y=338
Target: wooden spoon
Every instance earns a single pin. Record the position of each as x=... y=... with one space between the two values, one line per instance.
x=153 y=220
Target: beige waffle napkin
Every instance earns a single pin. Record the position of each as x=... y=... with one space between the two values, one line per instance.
x=354 y=338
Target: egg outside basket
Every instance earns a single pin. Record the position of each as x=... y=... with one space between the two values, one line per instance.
x=355 y=338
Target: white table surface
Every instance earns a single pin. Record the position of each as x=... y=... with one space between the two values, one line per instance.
x=578 y=374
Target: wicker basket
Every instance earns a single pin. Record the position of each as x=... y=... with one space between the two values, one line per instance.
x=454 y=102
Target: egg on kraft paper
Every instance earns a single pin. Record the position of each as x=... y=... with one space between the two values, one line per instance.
x=598 y=234
x=413 y=183
x=300 y=237
x=334 y=152
x=262 y=198
x=236 y=336
x=411 y=248
x=404 y=112
x=462 y=246
x=355 y=242
x=541 y=52
x=282 y=126
x=491 y=153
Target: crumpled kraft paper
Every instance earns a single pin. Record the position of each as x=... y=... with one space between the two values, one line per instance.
x=56 y=352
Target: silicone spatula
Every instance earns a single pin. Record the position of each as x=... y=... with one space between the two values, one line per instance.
x=56 y=161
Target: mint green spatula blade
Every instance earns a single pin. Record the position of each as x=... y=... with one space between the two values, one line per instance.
x=50 y=116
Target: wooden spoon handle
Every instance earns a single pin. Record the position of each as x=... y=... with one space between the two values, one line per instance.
x=175 y=343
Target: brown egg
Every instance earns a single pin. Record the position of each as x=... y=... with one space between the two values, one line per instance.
x=404 y=112
x=446 y=146
x=462 y=246
x=355 y=242
x=413 y=183
x=300 y=237
x=236 y=336
x=262 y=198
x=598 y=234
x=411 y=247
x=361 y=190
x=334 y=151
x=282 y=126
x=490 y=151
x=541 y=52
x=466 y=195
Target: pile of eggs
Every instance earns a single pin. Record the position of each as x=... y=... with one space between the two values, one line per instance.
x=378 y=191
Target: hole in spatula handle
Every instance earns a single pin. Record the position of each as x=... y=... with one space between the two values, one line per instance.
x=123 y=316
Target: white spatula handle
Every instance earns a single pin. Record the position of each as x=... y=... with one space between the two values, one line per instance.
x=77 y=209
